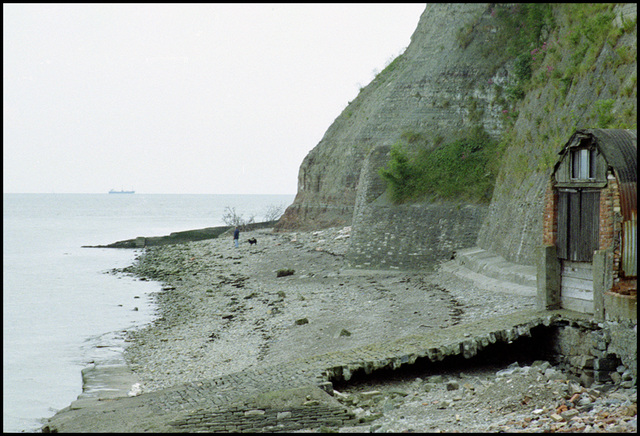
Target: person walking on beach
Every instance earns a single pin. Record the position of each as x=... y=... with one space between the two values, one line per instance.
x=236 y=236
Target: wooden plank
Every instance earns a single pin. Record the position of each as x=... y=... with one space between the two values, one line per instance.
x=583 y=274
x=577 y=265
x=581 y=306
x=589 y=223
x=577 y=286
x=570 y=282
x=580 y=270
x=562 y=242
x=574 y=235
x=579 y=294
x=582 y=266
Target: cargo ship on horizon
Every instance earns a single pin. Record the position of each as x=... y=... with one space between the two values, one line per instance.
x=122 y=191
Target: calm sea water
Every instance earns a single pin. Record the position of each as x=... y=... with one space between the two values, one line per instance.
x=61 y=309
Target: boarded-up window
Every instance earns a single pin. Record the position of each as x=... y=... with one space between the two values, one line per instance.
x=578 y=224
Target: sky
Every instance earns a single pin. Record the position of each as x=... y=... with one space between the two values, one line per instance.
x=183 y=98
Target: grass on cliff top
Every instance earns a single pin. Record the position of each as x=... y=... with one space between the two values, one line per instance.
x=462 y=170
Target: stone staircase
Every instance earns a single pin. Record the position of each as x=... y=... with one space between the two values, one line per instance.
x=490 y=271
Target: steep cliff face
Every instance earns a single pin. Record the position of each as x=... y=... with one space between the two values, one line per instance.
x=426 y=89
x=446 y=81
x=573 y=94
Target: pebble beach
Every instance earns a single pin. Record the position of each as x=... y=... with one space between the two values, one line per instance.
x=292 y=295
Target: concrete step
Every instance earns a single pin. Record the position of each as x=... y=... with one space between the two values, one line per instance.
x=490 y=271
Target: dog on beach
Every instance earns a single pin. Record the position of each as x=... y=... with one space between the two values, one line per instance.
x=252 y=241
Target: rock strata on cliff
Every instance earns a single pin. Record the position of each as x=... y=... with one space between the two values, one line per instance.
x=451 y=77
x=434 y=87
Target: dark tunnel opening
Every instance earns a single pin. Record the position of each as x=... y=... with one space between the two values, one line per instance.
x=524 y=350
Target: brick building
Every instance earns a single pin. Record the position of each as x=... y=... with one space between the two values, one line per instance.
x=588 y=262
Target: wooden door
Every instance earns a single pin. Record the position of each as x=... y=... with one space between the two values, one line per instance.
x=578 y=224
x=578 y=238
x=576 y=286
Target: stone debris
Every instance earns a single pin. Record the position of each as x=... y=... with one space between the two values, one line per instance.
x=224 y=311
x=136 y=389
x=488 y=404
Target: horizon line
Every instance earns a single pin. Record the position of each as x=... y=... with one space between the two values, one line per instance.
x=147 y=193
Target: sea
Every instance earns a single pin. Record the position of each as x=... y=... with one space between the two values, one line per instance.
x=63 y=308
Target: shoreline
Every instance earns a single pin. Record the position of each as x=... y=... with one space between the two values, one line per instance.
x=106 y=380
x=223 y=311
x=109 y=377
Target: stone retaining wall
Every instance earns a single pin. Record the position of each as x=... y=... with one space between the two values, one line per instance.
x=597 y=352
x=412 y=236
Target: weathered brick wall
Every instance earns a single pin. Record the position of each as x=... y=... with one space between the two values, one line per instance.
x=550 y=223
x=611 y=222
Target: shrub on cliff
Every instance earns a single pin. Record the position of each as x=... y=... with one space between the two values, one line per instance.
x=460 y=170
x=400 y=175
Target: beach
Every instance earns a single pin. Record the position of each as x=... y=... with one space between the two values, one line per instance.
x=225 y=313
x=225 y=309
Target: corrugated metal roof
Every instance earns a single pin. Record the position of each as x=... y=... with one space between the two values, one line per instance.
x=620 y=149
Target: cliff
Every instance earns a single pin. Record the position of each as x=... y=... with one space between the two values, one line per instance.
x=457 y=74
x=424 y=89
x=579 y=87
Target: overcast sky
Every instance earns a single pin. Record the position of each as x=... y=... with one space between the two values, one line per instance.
x=182 y=98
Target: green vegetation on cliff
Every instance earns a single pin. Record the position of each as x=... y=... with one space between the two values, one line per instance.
x=570 y=66
x=459 y=170
x=582 y=75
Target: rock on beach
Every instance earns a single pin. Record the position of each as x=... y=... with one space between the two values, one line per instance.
x=224 y=309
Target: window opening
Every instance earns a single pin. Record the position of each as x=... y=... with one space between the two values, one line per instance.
x=583 y=164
